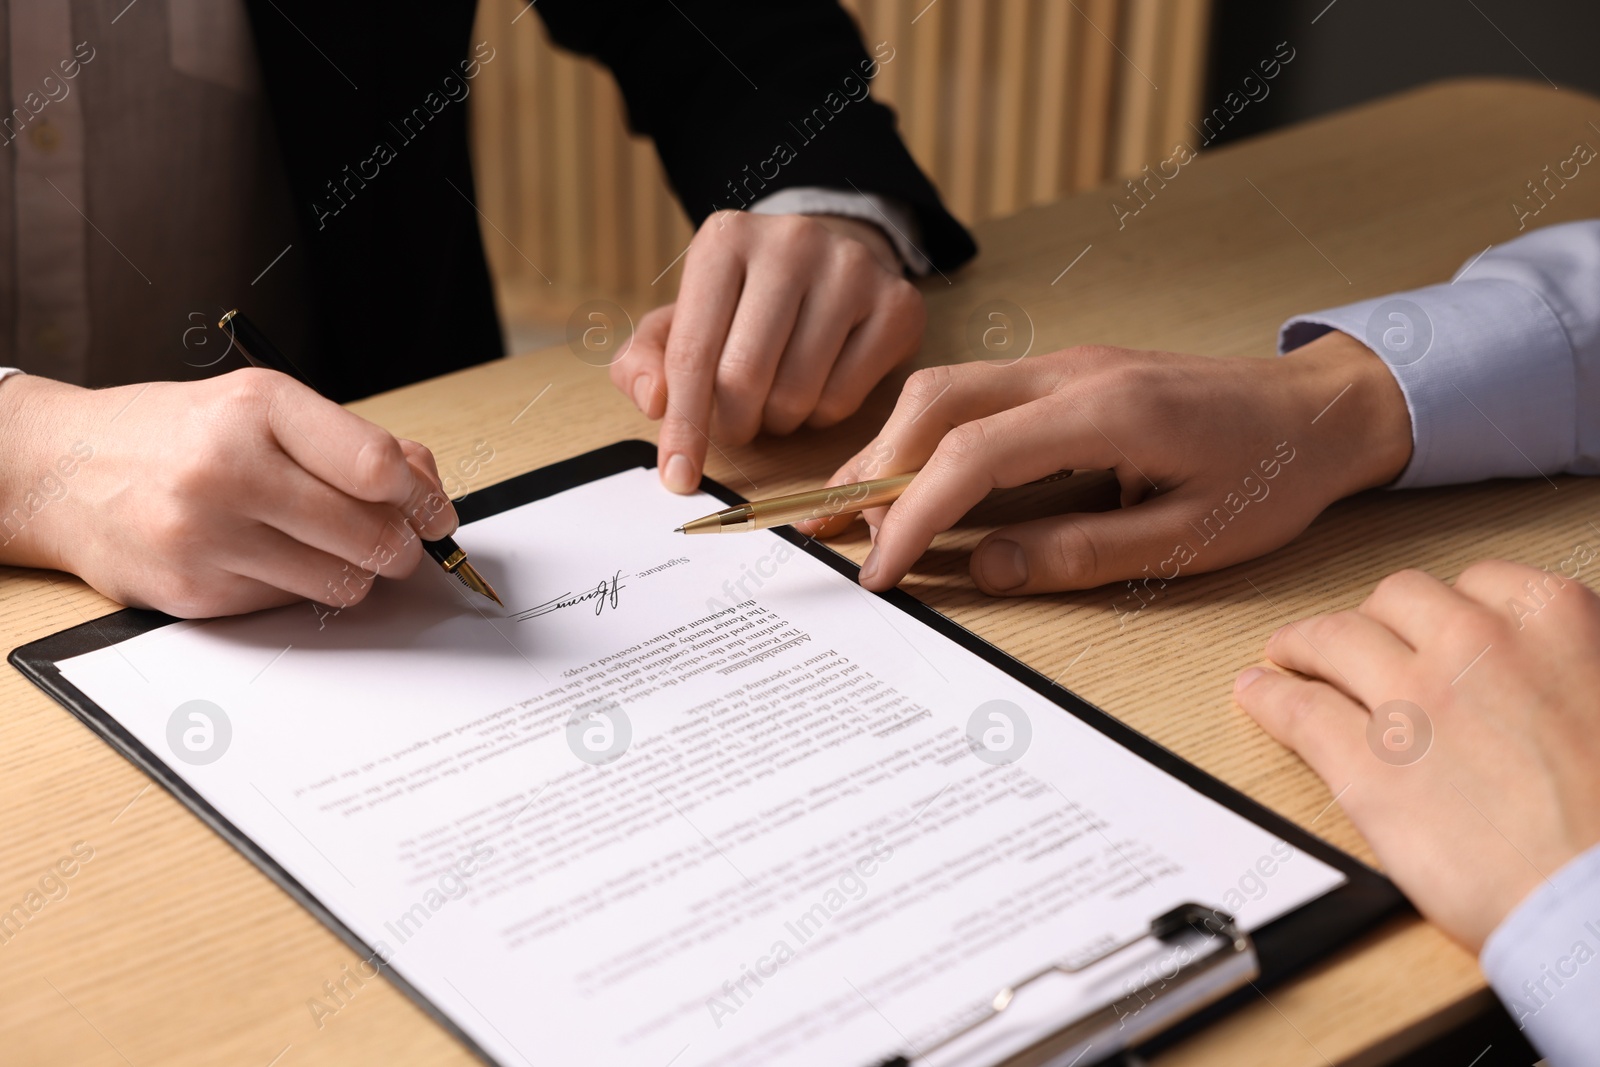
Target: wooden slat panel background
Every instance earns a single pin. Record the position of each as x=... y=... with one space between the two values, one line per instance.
x=1006 y=103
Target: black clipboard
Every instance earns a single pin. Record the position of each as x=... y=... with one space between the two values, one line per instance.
x=1282 y=947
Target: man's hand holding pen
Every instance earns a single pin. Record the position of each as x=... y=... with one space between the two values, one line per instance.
x=1184 y=435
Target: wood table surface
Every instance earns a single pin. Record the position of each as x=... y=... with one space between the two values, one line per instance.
x=168 y=947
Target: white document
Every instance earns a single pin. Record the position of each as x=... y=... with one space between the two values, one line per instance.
x=692 y=800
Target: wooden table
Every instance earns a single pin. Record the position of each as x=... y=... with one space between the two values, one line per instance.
x=170 y=948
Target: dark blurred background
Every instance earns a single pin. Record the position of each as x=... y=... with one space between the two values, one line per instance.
x=1351 y=51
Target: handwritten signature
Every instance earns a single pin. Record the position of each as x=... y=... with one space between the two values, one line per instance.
x=603 y=595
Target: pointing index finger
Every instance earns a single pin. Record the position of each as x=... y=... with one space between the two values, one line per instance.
x=713 y=278
x=350 y=454
x=1010 y=448
x=932 y=402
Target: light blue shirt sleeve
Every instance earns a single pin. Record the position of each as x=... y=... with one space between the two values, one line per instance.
x=1544 y=963
x=1500 y=368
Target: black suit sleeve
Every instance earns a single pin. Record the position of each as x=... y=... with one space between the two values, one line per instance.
x=747 y=97
x=371 y=116
x=369 y=107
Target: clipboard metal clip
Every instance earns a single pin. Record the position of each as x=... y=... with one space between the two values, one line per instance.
x=1206 y=943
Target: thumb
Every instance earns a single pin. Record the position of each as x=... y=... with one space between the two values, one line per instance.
x=1081 y=551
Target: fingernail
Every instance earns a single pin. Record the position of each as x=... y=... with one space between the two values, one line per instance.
x=869 y=566
x=1002 y=565
x=1248 y=678
x=679 y=474
x=643 y=392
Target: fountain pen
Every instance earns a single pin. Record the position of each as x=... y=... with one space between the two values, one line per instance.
x=260 y=352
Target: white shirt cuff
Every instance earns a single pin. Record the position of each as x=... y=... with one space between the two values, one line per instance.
x=6 y=372
x=1543 y=961
x=896 y=220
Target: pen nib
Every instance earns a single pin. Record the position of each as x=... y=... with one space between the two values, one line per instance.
x=470 y=578
x=677 y=529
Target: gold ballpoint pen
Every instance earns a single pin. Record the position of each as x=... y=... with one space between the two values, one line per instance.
x=813 y=504
x=798 y=507
x=260 y=352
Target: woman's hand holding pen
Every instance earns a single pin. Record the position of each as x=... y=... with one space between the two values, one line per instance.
x=780 y=320
x=1219 y=460
x=214 y=497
